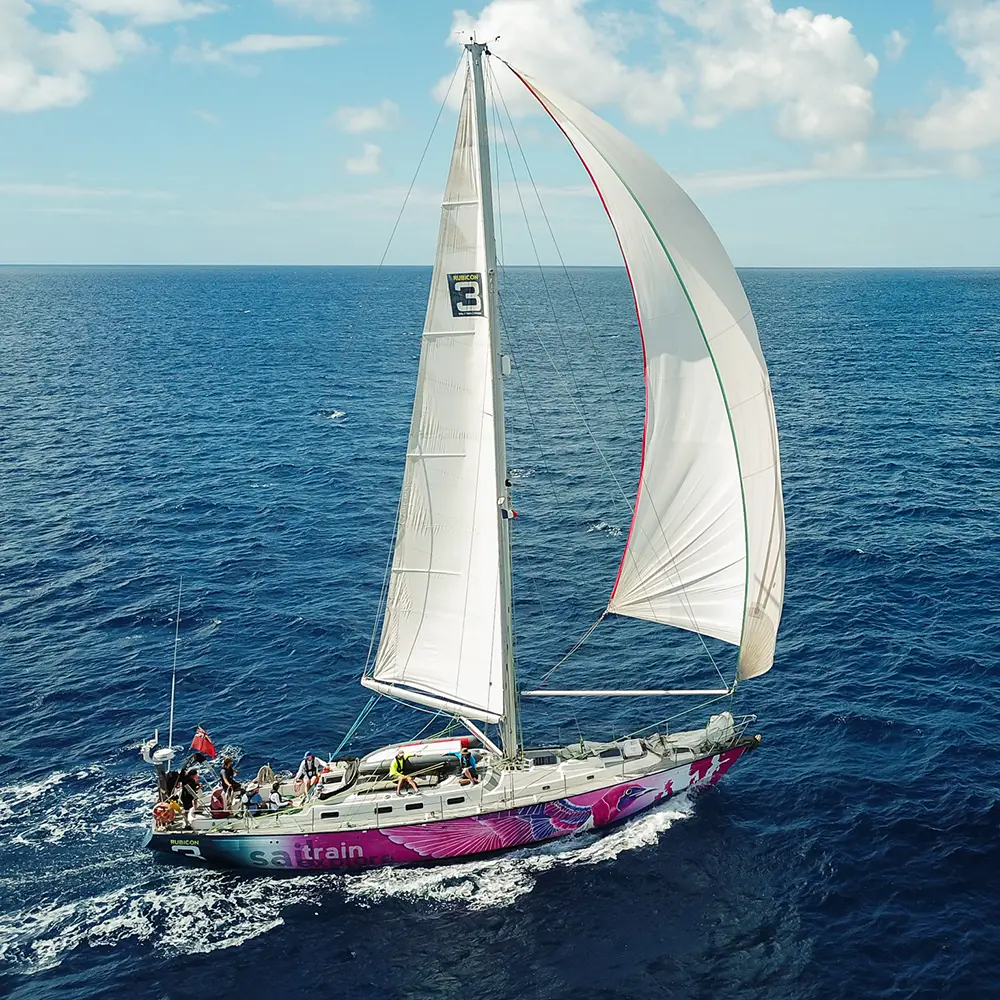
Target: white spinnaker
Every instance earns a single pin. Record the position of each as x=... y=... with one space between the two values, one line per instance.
x=706 y=550
x=441 y=642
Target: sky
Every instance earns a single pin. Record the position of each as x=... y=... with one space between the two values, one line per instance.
x=846 y=133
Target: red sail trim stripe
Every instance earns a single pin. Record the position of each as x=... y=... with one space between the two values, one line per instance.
x=635 y=300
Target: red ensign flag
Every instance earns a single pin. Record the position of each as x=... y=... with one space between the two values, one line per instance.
x=202 y=743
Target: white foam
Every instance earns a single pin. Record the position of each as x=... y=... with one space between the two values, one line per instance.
x=20 y=801
x=191 y=910
x=177 y=910
x=499 y=881
x=606 y=527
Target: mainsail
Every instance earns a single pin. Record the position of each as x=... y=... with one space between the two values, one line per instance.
x=441 y=642
x=706 y=549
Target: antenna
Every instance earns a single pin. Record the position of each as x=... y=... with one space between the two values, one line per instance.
x=173 y=679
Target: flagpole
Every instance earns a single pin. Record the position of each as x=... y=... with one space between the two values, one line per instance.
x=173 y=679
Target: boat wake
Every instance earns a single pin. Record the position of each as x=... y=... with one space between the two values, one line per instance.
x=101 y=889
x=187 y=911
x=499 y=881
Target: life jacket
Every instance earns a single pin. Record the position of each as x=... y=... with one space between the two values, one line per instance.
x=309 y=768
x=254 y=802
x=398 y=766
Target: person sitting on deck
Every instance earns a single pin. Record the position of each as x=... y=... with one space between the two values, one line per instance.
x=397 y=769
x=308 y=774
x=218 y=804
x=253 y=801
x=274 y=800
x=470 y=776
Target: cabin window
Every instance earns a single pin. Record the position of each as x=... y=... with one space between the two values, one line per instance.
x=545 y=788
x=590 y=777
x=329 y=815
x=414 y=805
x=455 y=801
x=610 y=752
x=549 y=758
x=383 y=809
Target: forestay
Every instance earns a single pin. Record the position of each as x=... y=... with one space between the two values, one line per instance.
x=705 y=551
x=441 y=643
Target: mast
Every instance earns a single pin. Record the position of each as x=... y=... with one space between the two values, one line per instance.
x=509 y=727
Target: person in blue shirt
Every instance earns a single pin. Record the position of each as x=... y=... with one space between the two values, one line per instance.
x=470 y=776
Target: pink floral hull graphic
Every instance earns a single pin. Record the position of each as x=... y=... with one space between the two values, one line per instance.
x=448 y=838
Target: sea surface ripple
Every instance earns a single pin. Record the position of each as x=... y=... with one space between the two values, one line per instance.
x=243 y=430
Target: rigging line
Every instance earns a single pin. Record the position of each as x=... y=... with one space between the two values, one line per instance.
x=677 y=715
x=362 y=715
x=383 y=596
x=173 y=676
x=684 y=599
x=586 y=635
x=430 y=721
x=576 y=389
x=672 y=566
x=508 y=332
x=541 y=273
x=555 y=243
x=537 y=440
x=383 y=593
x=409 y=191
x=499 y=125
x=496 y=174
x=551 y=486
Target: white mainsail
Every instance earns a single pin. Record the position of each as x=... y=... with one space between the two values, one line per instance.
x=706 y=550
x=441 y=642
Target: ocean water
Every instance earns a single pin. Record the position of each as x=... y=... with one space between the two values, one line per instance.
x=242 y=430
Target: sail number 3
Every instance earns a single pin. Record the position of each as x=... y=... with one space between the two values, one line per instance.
x=466 y=294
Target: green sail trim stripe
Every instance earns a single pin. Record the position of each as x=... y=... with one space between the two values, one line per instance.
x=722 y=389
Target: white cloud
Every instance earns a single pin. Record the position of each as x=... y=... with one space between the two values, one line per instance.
x=556 y=40
x=147 y=11
x=369 y=162
x=41 y=69
x=967 y=118
x=391 y=199
x=745 y=180
x=74 y=192
x=716 y=58
x=809 y=67
x=326 y=9
x=259 y=44
x=385 y=114
x=206 y=116
x=895 y=44
x=252 y=45
x=967 y=166
x=387 y=200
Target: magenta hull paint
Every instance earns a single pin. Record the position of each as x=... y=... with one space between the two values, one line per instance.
x=463 y=837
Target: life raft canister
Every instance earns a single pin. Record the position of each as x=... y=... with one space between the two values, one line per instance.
x=163 y=814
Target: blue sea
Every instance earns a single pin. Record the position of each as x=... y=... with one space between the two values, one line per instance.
x=240 y=432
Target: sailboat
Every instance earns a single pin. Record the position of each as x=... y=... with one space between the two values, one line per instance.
x=705 y=550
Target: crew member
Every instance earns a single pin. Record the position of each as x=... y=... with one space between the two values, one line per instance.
x=308 y=774
x=397 y=769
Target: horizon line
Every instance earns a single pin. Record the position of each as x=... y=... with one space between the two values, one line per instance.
x=534 y=266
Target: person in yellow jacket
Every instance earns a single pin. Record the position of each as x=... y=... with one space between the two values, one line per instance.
x=397 y=769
